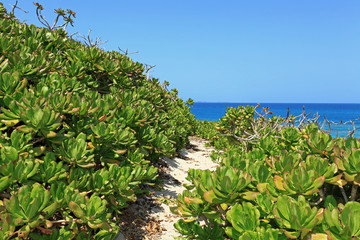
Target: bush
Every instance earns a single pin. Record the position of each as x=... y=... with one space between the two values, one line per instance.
x=283 y=183
x=80 y=129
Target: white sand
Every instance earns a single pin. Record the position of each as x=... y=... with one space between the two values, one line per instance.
x=151 y=219
x=178 y=169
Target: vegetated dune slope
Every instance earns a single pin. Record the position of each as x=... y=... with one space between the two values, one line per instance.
x=81 y=132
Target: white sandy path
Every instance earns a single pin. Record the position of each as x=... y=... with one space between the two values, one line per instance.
x=178 y=169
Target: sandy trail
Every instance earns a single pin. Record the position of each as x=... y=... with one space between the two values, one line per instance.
x=150 y=217
x=197 y=157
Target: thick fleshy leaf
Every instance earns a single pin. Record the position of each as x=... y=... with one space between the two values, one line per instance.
x=76 y=209
x=350 y=217
x=279 y=182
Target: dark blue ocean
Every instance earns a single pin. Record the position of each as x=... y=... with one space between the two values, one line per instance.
x=335 y=112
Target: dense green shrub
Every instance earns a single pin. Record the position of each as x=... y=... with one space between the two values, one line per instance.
x=80 y=128
x=284 y=183
x=206 y=129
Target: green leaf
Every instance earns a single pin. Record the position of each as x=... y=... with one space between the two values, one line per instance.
x=249 y=195
x=350 y=217
x=330 y=202
x=210 y=197
x=76 y=209
x=9 y=153
x=5 y=182
x=51 y=209
x=244 y=217
x=212 y=214
x=279 y=182
x=33 y=208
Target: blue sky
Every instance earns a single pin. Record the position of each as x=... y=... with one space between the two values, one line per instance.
x=232 y=51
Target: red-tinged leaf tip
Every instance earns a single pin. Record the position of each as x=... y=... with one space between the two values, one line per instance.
x=279 y=182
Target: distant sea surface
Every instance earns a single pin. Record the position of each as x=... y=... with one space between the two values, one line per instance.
x=335 y=112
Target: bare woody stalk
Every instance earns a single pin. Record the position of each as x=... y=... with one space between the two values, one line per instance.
x=66 y=16
x=147 y=70
x=354 y=189
x=205 y=220
x=88 y=41
x=126 y=52
x=343 y=193
x=15 y=6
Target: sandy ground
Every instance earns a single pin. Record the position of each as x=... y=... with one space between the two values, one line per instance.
x=198 y=157
x=150 y=217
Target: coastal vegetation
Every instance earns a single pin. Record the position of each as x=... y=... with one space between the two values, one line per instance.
x=276 y=180
x=80 y=130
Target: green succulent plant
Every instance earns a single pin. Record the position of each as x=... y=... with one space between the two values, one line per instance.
x=222 y=186
x=300 y=182
x=296 y=217
x=83 y=123
x=343 y=223
x=27 y=209
x=91 y=211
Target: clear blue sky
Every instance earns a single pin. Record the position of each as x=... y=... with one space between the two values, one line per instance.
x=232 y=51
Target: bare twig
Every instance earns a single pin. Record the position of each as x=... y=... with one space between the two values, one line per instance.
x=343 y=193
x=321 y=198
x=64 y=221
x=90 y=42
x=328 y=122
x=147 y=70
x=126 y=52
x=354 y=192
x=205 y=219
x=15 y=6
x=71 y=35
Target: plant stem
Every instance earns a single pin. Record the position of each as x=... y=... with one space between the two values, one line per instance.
x=223 y=213
x=205 y=219
x=64 y=221
x=321 y=198
x=354 y=192
x=322 y=194
x=223 y=216
x=343 y=193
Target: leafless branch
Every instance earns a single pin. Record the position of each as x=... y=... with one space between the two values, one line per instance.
x=41 y=17
x=71 y=35
x=126 y=52
x=354 y=192
x=88 y=41
x=343 y=193
x=16 y=7
x=147 y=70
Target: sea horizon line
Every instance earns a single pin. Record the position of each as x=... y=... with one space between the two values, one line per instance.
x=276 y=102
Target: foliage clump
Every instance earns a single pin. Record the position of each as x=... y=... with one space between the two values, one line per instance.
x=276 y=180
x=79 y=130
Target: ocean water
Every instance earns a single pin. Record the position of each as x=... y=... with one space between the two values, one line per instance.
x=335 y=112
